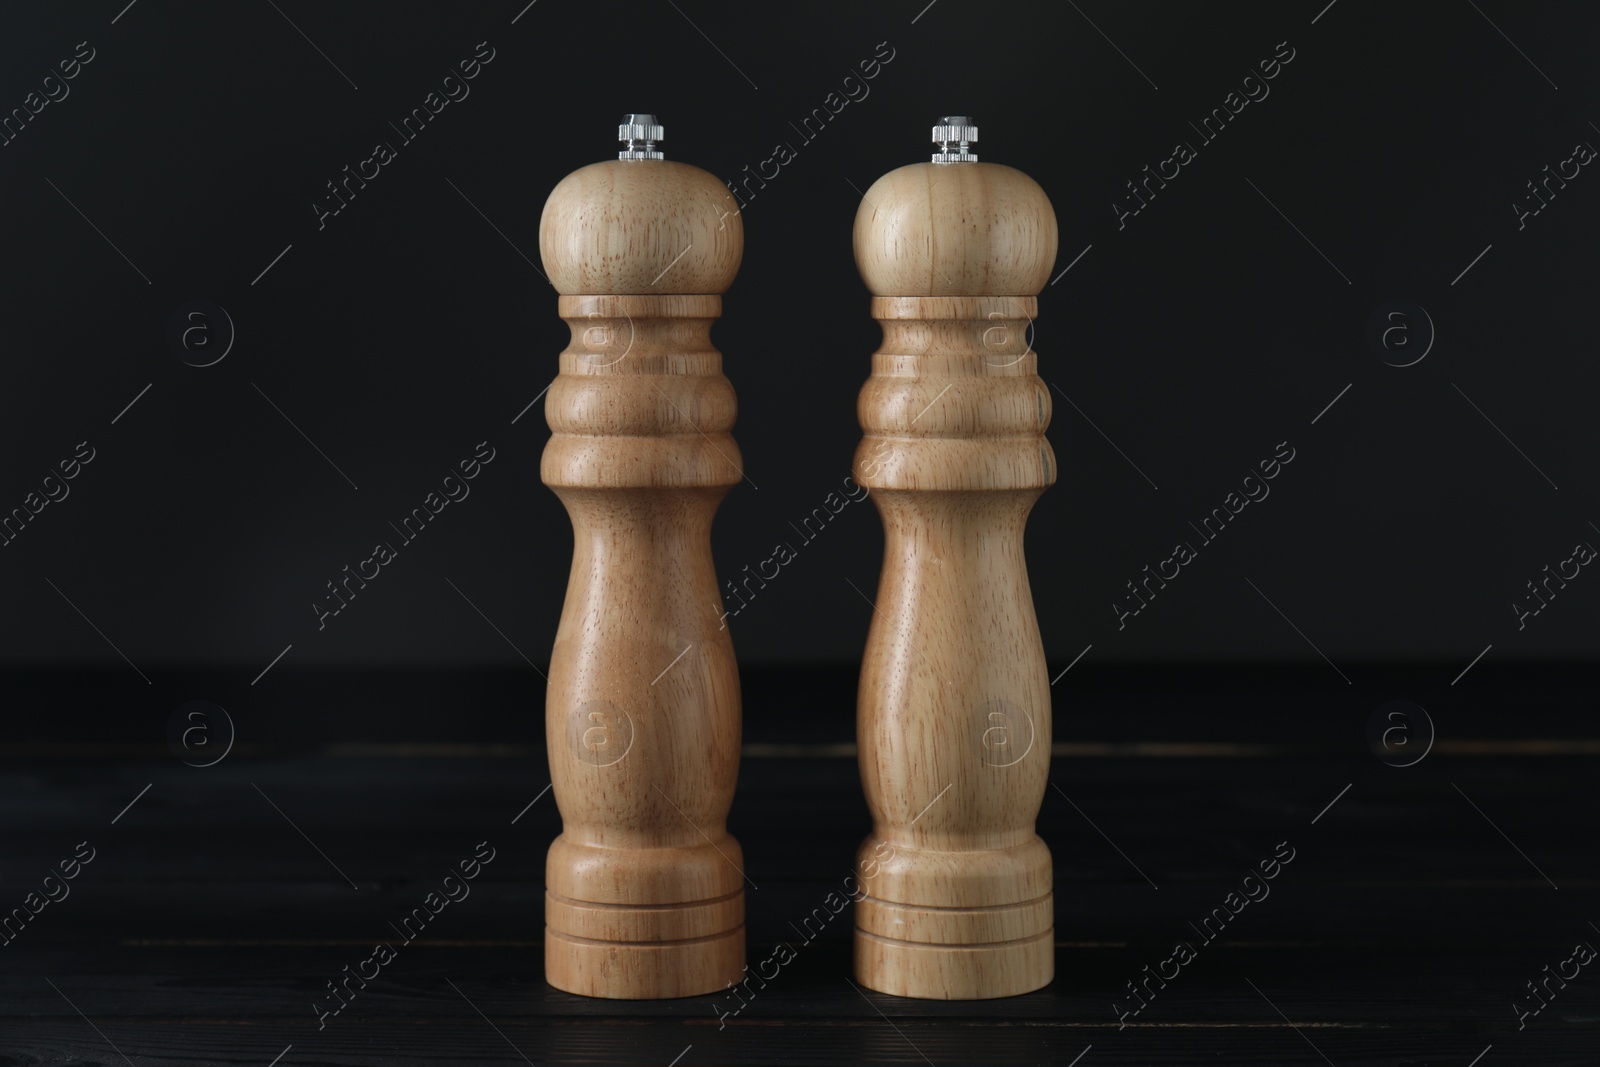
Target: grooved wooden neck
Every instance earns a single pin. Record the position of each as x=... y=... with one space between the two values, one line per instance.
x=955 y=401
x=641 y=400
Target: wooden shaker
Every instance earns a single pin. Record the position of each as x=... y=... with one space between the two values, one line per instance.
x=953 y=718
x=645 y=888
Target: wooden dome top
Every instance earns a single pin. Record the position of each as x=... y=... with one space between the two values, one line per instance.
x=955 y=229
x=641 y=227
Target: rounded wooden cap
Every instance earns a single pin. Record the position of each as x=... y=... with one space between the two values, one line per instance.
x=955 y=229
x=637 y=227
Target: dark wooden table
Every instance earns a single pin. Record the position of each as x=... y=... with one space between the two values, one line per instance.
x=1419 y=903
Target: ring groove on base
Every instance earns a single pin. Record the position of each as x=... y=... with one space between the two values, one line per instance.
x=974 y=971
x=643 y=970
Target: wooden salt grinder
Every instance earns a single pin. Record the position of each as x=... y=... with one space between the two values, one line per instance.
x=953 y=719
x=644 y=887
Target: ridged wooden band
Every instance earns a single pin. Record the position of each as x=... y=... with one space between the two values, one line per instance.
x=954 y=307
x=665 y=306
x=935 y=876
x=641 y=400
x=955 y=400
x=963 y=972
x=643 y=971
x=955 y=926
x=637 y=923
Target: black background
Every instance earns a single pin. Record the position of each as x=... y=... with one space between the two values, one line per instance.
x=1196 y=338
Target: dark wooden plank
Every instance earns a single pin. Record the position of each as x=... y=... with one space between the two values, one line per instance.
x=384 y=821
x=1320 y=984
x=469 y=1039
x=1402 y=931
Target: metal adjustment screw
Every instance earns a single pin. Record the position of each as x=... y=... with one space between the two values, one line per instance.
x=953 y=135
x=640 y=136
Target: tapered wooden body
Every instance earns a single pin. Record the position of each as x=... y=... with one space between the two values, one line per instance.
x=954 y=706
x=644 y=885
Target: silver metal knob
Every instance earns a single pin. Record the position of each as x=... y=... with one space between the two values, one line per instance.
x=953 y=135
x=640 y=136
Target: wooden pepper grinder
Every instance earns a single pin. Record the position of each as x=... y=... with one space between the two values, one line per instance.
x=645 y=889
x=953 y=718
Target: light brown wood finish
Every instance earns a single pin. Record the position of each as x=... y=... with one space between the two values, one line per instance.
x=645 y=888
x=953 y=719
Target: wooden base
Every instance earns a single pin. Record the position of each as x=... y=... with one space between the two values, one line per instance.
x=955 y=972
x=643 y=923
x=944 y=925
x=643 y=970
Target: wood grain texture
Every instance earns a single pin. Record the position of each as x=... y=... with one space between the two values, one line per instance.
x=955 y=229
x=644 y=886
x=620 y=226
x=954 y=708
